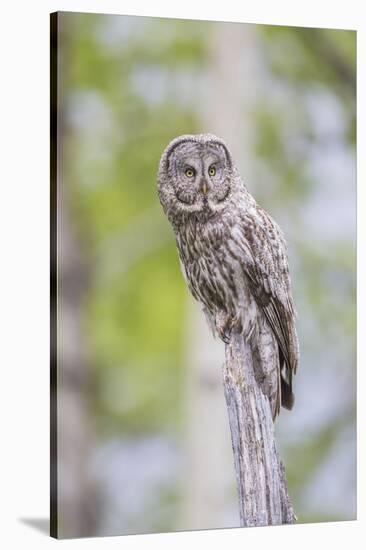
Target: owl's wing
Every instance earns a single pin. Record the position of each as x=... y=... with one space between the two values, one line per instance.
x=266 y=268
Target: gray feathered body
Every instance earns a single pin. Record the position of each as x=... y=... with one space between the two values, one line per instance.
x=233 y=256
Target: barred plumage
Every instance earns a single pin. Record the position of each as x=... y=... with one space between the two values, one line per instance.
x=233 y=256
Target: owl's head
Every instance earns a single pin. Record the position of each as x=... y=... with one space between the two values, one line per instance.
x=195 y=176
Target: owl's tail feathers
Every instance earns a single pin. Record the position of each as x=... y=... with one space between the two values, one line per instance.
x=287 y=396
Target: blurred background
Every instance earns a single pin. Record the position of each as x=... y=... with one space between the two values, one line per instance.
x=143 y=436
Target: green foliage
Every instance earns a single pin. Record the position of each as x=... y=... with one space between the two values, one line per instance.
x=298 y=54
x=133 y=321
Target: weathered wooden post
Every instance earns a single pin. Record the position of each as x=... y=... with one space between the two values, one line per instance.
x=260 y=476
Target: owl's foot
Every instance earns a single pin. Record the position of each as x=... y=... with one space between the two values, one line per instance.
x=225 y=324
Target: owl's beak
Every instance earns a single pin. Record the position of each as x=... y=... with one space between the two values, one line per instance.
x=204 y=187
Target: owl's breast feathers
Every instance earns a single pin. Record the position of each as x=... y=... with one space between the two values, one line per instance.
x=202 y=255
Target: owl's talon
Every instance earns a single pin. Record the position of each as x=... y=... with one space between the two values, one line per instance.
x=225 y=324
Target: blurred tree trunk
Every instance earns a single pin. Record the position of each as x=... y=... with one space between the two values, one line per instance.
x=76 y=493
x=77 y=504
x=236 y=70
x=209 y=484
x=235 y=80
x=209 y=492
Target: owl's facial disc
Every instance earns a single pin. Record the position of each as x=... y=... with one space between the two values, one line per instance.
x=200 y=176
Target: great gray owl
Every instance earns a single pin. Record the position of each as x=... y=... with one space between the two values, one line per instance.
x=233 y=256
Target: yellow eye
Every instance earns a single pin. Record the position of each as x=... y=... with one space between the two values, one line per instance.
x=189 y=172
x=212 y=171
